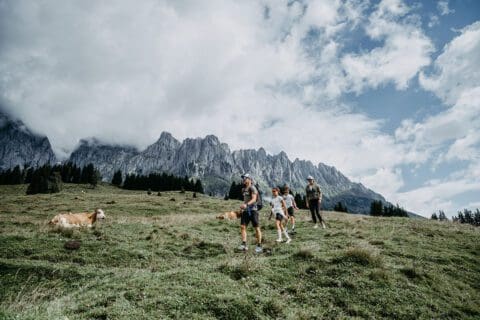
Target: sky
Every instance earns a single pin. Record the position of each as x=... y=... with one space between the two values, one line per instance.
x=387 y=91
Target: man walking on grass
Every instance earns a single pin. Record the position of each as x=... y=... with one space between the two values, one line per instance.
x=250 y=213
x=314 y=199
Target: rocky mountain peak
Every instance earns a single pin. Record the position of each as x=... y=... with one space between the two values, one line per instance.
x=19 y=146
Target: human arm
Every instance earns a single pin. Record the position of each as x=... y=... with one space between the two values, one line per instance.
x=294 y=203
x=284 y=208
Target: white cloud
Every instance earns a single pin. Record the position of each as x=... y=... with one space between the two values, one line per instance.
x=456 y=69
x=388 y=180
x=126 y=71
x=443 y=8
x=438 y=195
x=405 y=51
x=433 y=21
x=453 y=134
x=456 y=81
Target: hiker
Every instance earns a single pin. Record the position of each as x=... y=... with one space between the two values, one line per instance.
x=291 y=206
x=249 y=213
x=314 y=199
x=279 y=209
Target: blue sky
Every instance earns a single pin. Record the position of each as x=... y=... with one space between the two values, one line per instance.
x=386 y=91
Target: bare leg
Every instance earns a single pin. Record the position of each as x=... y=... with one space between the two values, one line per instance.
x=243 y=231
x=258 y=235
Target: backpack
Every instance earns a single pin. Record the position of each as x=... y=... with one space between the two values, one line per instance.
x=259 y=198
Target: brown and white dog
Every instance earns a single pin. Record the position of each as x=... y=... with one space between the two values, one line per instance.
x=231 y=215
x=72 y=220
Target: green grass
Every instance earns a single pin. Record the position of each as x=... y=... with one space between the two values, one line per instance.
x=154 y=258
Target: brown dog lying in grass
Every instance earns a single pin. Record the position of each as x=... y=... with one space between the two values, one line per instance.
x=231 y=215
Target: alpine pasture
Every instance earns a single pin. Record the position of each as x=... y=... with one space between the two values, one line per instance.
x=167 y=257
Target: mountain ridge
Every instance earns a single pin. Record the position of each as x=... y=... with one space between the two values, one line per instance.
x=217 y=166
x=205 y=158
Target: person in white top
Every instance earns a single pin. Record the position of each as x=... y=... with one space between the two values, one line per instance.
x=291 y=206
x=279 y=209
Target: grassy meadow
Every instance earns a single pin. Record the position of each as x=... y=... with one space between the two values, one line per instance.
x=154 y=258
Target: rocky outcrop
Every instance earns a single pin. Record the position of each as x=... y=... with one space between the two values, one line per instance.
x=19 y=146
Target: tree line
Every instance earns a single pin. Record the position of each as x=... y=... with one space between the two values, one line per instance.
x=468 y=216
x=68 y=172
x=157 y=182
x=379 y=209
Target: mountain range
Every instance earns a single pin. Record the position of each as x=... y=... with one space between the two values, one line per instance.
x=205 y=158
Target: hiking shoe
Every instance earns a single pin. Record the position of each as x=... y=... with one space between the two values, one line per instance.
x=243 y=247
x=324 y=226
x=258 y=249
x=315 y=226
x=279 y=240
x=288 y=240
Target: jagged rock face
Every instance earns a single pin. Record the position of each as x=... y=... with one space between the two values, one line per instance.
x=107 y=159
x=214 y=163
x=19 y=146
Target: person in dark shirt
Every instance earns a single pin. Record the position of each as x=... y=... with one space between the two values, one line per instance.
x=250 y=213
x=314 y=200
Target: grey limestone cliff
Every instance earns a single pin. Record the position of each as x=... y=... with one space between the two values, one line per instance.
x=19 y=146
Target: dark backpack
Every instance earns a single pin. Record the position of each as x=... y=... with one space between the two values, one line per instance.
x=259 y=198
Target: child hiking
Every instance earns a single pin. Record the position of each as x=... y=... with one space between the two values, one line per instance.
x=280 y=211
x=291 y=207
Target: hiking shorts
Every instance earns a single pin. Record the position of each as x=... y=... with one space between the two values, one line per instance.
x=291 y=212
x=279 y=216
x=249 y=216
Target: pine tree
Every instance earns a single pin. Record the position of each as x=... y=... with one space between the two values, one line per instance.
x=442 y=216
x=476 y=217
x=117 y=178
x=340 y=207
x=198 y=186
x=45 y=180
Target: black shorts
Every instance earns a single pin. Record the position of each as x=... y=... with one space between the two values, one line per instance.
x=249 y=216
x=279 y=216
x=291 y=212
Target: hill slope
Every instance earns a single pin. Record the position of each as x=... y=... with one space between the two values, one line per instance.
x=155 y=258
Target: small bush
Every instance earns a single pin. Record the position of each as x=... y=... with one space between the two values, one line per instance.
x=304 y=254
x=412 y=273
x=202 y=250
x=360 y=256
x=379 y=275
x=273 y=309
x=72 y=245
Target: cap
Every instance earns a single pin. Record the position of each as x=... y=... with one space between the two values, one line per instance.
x=246 y=175
x=310 y=178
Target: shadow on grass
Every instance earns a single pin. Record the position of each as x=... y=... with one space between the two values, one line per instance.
x=202 y=250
